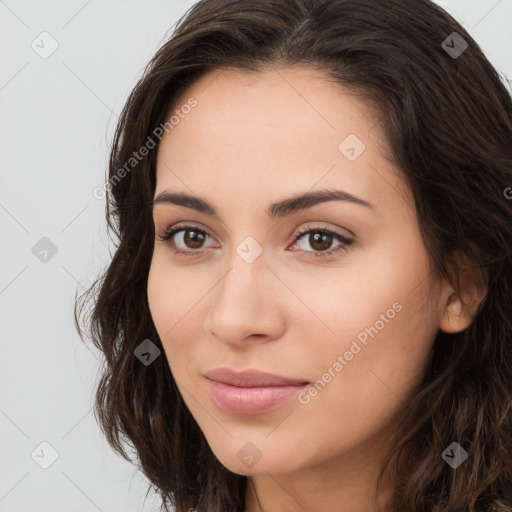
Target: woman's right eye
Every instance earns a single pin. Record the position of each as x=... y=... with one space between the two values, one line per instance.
x=185 y=240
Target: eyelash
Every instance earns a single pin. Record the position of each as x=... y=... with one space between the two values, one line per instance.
x=345 y=241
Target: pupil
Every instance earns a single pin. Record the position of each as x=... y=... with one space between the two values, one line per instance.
x=195 y=239
x=318 y=237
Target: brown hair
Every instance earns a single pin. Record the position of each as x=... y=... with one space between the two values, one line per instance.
x=447 y=118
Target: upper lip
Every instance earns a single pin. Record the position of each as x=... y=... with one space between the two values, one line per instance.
x=251 y=378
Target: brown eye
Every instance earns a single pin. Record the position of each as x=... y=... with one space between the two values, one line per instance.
x=193 y=239
x=320 y=240
x=185 y=239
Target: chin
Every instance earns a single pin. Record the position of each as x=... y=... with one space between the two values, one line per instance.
x=249 y=460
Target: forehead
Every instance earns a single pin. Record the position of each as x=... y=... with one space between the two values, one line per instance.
x=304 y=100
x=271 y=131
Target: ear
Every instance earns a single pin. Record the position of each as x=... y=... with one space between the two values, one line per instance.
x=457 y=313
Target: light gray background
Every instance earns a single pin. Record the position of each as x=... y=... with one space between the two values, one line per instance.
x=57 y=120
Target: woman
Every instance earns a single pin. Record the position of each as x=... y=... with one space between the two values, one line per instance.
x=309 y=307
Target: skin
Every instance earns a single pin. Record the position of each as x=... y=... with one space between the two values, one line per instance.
x=250 y=141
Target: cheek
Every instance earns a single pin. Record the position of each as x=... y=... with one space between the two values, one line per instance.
x=378 y=319
x=160 y=297
x=171 y=294
x=359 y=396
x=383 y=362
x=175 y=304
x=339 y=303
x=168 y=307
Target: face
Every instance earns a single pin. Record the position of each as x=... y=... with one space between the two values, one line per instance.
x=332 y=291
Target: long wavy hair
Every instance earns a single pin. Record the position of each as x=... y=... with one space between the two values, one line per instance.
x=447 y=116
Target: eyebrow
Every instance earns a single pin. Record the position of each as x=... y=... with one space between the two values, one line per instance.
x=279 y=209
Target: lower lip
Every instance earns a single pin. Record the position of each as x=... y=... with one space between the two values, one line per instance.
x=247 y=401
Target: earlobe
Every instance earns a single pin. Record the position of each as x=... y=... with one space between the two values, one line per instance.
x=455 y=318
x=459 y=312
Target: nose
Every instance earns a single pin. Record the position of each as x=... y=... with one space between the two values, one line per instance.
x=246 y=305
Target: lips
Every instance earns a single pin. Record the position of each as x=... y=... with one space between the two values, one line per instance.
x=250 y=392
x=251 y=378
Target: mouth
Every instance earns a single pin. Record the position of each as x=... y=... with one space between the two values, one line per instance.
x=250 y=392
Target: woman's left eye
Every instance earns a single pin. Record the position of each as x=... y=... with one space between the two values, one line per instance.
x=320 y=239
x=192 y=239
